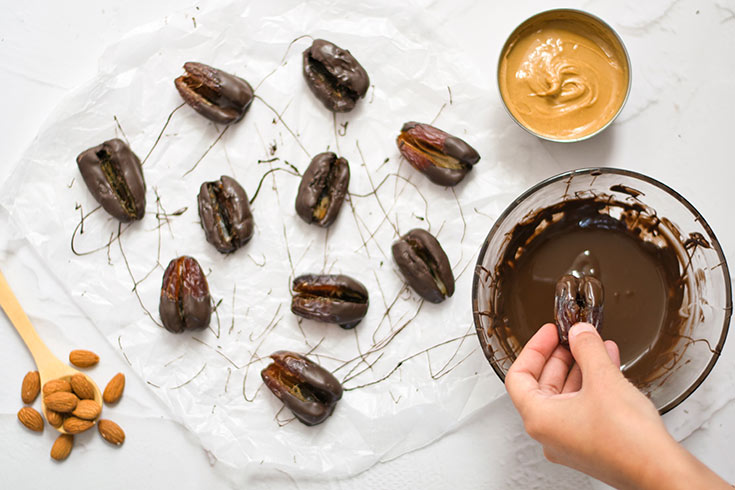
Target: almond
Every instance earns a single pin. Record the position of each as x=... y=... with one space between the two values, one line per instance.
x=31 y=419
x=83 y=358
x=87 y=410
x=55 y=419
x=56 y=385
x=74 y=425
x=81 y=386
x=114 y=389
x=111 y=432
x=31 y=386
x=61 y=401
x=62 y=447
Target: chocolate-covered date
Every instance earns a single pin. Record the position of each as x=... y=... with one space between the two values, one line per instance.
x=577 y=299
x=424 y=264
x=225 y=213
x=185 y=301
x=334 y=76
x=213 y=93
x=330 y=298
x=114 y=176
x=443 y=158
x=307 y=389
x=322 y=189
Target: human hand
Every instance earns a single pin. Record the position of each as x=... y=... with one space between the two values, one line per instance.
x=587 y=416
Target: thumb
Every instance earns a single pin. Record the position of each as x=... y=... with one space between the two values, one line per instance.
x=589 y=350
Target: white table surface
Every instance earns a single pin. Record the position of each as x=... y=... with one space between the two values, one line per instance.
x=681 y=133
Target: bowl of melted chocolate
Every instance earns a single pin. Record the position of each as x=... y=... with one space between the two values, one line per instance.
x=667 y=292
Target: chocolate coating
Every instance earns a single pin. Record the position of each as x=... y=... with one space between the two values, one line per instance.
x=185 y=302
x=322 y=189
x=577 y=299
x=334 y=76
x=213 y=93
x=424 y=264
x=224 y=210
x=443 y=158
x=638 y=267
x=114 y=176
x=307 y=389
x=330 y=298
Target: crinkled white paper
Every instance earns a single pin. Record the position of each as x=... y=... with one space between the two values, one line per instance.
x=421 y=362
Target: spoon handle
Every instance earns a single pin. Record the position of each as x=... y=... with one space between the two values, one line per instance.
x=41 y=354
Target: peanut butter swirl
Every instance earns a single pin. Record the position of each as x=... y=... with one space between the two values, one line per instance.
x=563 y=74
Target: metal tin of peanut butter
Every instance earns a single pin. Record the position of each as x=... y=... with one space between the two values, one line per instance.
x=564 y=75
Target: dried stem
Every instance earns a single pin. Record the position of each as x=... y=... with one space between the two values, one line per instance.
x=135 y=283
x=119 y=126
x=278 y=115
x=165 y=125
x=222 y=133
x=217 y=351
x=406 y=359
x=270 y=171
x=190 y=380
x=283 y=59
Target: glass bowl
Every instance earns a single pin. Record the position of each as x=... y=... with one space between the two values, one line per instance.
x=708 y=295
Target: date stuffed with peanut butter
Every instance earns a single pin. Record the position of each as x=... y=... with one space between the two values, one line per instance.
x=443 y=158
x=185 y=302
x=577 y=299
x=213 y=93
x=322 y=189
x=334 y=76
x=330 y=298
x=307 y=389
x=424 y=264
x=225 y=213
x=114 y=176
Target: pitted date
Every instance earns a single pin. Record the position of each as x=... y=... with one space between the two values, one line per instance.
x=213 y=93
x=334 y=76
x=322 y=189
x=185 y=301
x=307 y=389
x=330 y=298
x=114 y=176
x=577 y=299
x=225 y=213
x=443 y=158
x=424 y=264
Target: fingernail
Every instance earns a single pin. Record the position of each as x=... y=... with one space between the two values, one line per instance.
x=579 y=328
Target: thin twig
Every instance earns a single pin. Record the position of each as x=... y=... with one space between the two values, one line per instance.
x=278 y=115
x=165 y=125
x=216 y=350
x=190 y=380
x=207 y=151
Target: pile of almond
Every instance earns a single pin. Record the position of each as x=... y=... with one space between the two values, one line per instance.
x=70 y=405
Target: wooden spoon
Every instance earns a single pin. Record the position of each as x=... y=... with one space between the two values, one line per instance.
x=49 y=366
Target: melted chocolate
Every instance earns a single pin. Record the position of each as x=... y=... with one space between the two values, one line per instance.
x=637 y=265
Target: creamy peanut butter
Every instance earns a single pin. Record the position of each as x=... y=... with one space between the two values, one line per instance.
x=564 y=74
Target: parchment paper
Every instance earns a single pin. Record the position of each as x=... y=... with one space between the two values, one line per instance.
x=412 y=370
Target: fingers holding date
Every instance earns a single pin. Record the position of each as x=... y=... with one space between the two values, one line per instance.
x=323 y=188
x=185 y=302
x=330 y=298
x=213 y=93
x=424 y=264
x=225 y=213
x=334 y=76
x=307 y=389
x=577 y=300
x=443 y=158
x=114 y=177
